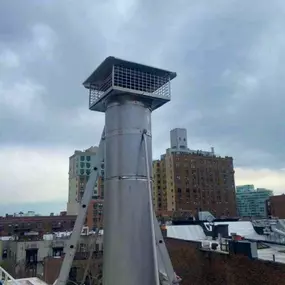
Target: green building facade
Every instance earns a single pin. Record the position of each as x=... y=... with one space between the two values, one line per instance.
x=251 y=202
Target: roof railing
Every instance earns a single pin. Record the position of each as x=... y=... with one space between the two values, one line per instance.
x=6 y=278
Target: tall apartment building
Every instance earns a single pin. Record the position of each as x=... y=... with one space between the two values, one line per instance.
x=81 y=164
x=251 y=202
x=193 y=180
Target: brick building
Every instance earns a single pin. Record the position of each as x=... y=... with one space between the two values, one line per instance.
x=275 y=206
x=17 y=225
x=52 y=268
x=188 y=180
x=35 y=256
x=197 y=266
x=94 y=218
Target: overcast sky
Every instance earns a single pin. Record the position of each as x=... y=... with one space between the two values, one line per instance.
x=229 y=56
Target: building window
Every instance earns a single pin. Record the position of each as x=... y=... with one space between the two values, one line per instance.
x=88 y=158
x=82 y=164
x=88 y=165
x=82 y=158
x=5 y=254
x=73 y=274
x=57 y=251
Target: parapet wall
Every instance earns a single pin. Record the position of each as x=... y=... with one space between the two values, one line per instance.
x=199 y=267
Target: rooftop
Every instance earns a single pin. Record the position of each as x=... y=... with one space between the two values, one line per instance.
x=28 y=281
x=54 y=236
x=19 y=219
x=272 y=252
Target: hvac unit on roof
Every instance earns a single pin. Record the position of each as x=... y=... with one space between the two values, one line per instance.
x=85 y=231
x=206 y=244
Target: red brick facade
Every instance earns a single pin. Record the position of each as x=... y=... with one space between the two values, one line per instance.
x=198 y=267
x=11 y=225
x=275 y=206
x=52 y=268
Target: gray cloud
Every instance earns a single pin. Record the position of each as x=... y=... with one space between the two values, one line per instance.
x=229 y=56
